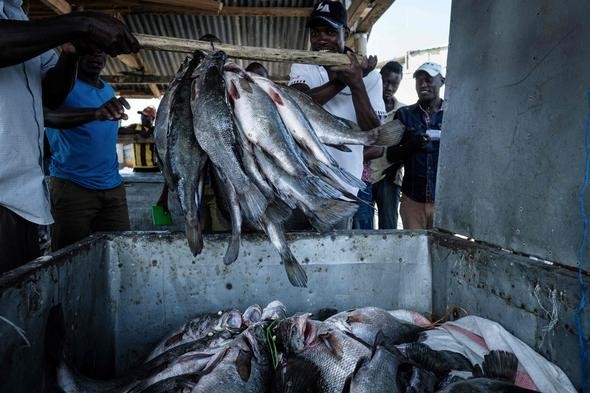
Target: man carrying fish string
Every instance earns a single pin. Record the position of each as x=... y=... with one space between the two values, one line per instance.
x=32 y=76
x=352 y=91
x=419 y=148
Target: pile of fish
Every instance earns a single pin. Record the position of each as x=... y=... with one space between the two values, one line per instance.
x=367 y=350
x=263 y=147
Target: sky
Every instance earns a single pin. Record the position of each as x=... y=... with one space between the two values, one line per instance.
x=407 y=25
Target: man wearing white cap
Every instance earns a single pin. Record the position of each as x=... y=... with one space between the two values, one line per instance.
x=419 y=148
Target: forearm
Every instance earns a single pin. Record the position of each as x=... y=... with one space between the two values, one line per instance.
x=324 y=93
x=59 y=81
x=68 y=117
x=23 y=40
x=366 y=117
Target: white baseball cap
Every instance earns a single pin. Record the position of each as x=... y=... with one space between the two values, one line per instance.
x=433 y=69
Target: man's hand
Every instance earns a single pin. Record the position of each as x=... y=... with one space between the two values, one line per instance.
x=368 y=64
x=418 y=141
x=400 y=152
x=103 y=32
x=114 y=109
x=349 y=74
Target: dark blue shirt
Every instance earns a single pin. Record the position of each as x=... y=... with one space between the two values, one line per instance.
x=421 y=165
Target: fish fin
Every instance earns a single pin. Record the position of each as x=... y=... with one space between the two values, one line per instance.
x=332 y=171
x=501 y=365
x=295 y=272
x=343 y=148
x=233 y=249
x=244 y=364
x=331 y=212
x=278 y=211
x=381 y=340
x=332 y=344
x=422 y=381
x=252 y=202
x=194 y=235
x=215 y=360
x=297 y=375
x=347 y=383
x=425 y=357
x=318 y=187
x=319 y=226
x=174 y=339
x=388 y=134
x=356 y=316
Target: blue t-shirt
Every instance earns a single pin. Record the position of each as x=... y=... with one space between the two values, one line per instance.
x=87 y=154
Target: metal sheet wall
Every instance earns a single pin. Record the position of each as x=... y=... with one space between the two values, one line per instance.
x=512 y=159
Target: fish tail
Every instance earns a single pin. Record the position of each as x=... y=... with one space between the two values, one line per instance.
x=233 y=248
x=318 y=187
x=252 y=202
x=295 y=272
x=194 y=235
x=500 y=365
x=330 y=212
x=388 y=134
x=350 y=178
x=278 y=211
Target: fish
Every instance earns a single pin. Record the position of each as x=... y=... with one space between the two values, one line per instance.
x=302 y=132
x=273 y=311
x=376 y=373
x=181 y=384
x=421 y=381
x=295 y=272
x=252 y=315
x=323 y=213
x=245 y=366
x=183 y=159
x=215 y=132
x=229 y=201
x=335 y=131
x=333 y=352
x=365 y=323
x=296 y=375
x=199 y=327
x=260 y=124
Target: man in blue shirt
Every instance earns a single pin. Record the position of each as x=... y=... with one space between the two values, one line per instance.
x=419 y=148
x=87 y=192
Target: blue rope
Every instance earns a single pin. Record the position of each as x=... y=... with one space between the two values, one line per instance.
x=579 y=311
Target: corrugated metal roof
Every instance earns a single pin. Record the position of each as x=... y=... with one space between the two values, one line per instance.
x=271 y=32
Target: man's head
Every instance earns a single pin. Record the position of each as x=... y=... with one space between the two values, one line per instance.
x=327 y=25
x=257 y=68
x=148 y=115
x=429 y=79
x=391 y=75
x=91 y=65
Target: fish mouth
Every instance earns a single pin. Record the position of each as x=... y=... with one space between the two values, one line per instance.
x=309 y=332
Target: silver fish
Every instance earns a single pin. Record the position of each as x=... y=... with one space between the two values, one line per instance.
x=215 y=131
x=199 y=327
x=260 y=123
x=365 y=323
x=335 y=131
x=334 y=353
x=323 y=213
x=301 y=130
x=245 y=366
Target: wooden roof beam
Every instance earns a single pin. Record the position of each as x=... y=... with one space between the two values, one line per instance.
x=379 y=8
x=355 y=11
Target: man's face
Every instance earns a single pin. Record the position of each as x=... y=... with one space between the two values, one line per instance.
x=427 y=86
x=92 y=64
x=391 y=81
x=325 y=38
x=146 y=120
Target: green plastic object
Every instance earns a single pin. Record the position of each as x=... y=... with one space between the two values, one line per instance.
x=161 y=216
